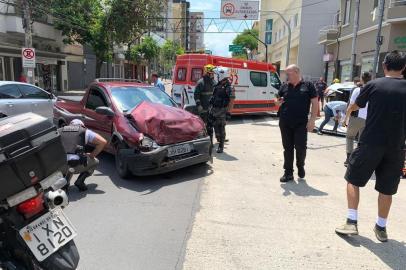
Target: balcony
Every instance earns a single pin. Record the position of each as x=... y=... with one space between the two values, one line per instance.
x=328 y=33
x=397 y=10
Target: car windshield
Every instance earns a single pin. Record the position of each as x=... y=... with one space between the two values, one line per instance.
x=129 y=97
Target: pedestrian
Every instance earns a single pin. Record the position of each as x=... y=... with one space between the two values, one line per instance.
x=219 y=104
x=381 y=144
x=321 y=87
x=75 y=137
x=295 y=98
x=355 y=118
x=334 y=109
x=202 y=95
x=157 y=82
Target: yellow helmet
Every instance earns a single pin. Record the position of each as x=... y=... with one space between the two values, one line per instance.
x=209 y=68
x=336 y=80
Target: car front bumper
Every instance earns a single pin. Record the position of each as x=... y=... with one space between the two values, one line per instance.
x=158 y=162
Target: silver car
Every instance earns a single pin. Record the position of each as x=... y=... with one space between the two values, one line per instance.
x=16 y=98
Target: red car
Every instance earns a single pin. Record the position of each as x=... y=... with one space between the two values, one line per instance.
x=147 y=132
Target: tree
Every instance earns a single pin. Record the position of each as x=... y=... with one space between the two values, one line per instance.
x=85 y=22
x=169 y=52
x=148 y=49
x=247 y=40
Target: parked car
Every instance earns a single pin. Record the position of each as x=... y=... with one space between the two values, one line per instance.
x=147 y=132
x=17 y=98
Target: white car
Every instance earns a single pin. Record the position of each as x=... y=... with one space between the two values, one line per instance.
x=16 y=98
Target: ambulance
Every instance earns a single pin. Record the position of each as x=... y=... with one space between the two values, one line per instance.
x=255 y=84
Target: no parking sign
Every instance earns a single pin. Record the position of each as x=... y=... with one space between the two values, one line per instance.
x=28 y=56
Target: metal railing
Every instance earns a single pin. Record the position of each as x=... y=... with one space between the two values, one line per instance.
x=395 y=3
x=117 y=80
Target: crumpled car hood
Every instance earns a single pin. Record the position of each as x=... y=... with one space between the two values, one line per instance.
x=165 y=124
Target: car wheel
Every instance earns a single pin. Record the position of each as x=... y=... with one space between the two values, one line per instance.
x=121 y=165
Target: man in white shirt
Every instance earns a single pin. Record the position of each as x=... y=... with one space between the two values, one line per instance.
x=356 y=120
x=75 y=137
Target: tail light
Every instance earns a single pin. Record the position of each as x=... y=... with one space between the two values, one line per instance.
x=32 y=206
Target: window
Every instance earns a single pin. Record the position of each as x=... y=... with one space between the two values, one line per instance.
x=259 y=79
x=197 y=73
x=296 y=20
x=181 y=74
x=9 y=91
x=29 y=91
x=268 y=31
x=96 y=99
x=347 y=12
x=274 y=80
x=376 y=2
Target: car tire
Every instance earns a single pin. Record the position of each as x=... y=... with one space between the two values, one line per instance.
x=121 y=165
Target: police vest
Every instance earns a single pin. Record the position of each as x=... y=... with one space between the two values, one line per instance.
x=72 y=137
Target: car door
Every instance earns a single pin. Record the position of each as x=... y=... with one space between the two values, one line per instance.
x=101 y=124
x=9 y=97
x=258 y=86
x=39 y=101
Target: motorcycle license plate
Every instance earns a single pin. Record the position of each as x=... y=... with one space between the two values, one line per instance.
x=48 y=233
x=179 y=150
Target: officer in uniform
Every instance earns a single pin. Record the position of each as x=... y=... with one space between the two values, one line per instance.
x=75 y=137
x=219 y=104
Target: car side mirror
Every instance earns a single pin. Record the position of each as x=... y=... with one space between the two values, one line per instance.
x=105 y=111
x=190 y=108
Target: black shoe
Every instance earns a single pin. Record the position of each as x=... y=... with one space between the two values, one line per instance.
x=220 y=150
x=319 y=132
x=286 y=178
x=301 y=172
x=80 y=182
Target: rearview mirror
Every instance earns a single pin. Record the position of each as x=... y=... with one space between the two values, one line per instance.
x=190 y=108
x=105 y=111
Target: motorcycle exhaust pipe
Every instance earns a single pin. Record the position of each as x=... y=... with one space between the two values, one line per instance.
x=57 y=198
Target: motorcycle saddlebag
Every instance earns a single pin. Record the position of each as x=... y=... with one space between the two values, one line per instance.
x=30 y=150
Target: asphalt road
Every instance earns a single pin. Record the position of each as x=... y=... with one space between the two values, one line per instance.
x=142 y=223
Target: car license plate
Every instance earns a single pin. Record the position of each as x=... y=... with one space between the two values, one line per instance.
x=179 y=150
x=48 y=233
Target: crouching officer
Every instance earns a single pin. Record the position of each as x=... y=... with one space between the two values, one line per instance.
x=219 y=104
x=75 y=137
x=203 y=93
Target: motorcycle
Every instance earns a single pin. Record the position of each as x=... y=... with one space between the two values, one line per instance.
x=34 y=232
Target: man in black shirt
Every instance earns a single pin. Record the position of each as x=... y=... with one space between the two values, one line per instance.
x=381 y=144
x=321 y=87
x=295 y=98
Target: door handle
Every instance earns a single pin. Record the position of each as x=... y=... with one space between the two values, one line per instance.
x=10 y=105
x=264 y=92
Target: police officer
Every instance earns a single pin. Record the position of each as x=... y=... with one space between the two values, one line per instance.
x=219 y=105
x=203 y=93
x=75 y=137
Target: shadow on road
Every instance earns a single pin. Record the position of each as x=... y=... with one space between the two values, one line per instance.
x=76 y=195
x=392 y=253
x=224 y=156
x=301 y=188
x=150 y=184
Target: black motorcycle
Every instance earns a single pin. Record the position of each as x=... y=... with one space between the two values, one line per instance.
x=35 y=234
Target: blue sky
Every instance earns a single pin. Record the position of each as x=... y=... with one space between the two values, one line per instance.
x=218 y=43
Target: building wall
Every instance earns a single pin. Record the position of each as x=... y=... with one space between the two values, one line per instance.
x=196 y=31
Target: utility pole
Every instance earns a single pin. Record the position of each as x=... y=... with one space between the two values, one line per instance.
x=354 y=39
x=26 y=12
x=379 y=38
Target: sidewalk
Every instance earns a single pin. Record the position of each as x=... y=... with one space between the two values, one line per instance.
x=249 y=220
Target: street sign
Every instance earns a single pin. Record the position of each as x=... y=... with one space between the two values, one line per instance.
x=28 y=56
x=235 y=48
x=239 y=10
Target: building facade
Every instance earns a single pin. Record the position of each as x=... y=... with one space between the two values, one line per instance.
x=180 y=23
x=304 y=18
x=337 y=38
x=196 y=30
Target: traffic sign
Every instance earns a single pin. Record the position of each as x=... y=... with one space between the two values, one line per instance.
x=239 y=10
x=235 y=48
x=28 y=56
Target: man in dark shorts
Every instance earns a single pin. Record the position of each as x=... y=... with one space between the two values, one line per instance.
x=295 y=98
x=381 y=144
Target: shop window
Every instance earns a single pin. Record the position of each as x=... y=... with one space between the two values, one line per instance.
x=259 y=79
x=9 y=91
x=33 y=92
x=181 y=74
x=197 y=73
x=95 y=100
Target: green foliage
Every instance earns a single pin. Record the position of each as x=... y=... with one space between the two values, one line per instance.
x=148 y=49
x=170 y=50
x=247 y=40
